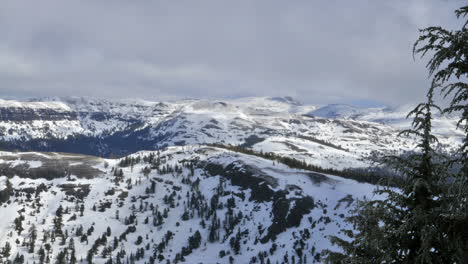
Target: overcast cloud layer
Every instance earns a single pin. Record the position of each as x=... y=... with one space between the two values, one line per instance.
x=316 y=51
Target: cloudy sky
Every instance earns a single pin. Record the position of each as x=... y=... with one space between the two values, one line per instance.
x=316 y=51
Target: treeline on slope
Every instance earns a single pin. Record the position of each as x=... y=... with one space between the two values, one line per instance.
x=361 y=175
x=321 y=142
x=116 y=145
x=50 y=169
x=58 y=169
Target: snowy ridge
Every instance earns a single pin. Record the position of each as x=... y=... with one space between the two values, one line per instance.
x=58 y=106
x=338 y=111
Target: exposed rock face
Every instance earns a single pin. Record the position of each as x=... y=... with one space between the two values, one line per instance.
x=26 y=114
x=287 y=212
x=51 y=166
x=246 y=177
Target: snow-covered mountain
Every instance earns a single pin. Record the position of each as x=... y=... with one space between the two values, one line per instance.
x=396 y=117
x=341 y=111
x=333 y=136
x=189 y=204
x=197 y=181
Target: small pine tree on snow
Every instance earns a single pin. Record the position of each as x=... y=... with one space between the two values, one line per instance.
x=139 y=240
x=41 y=254
x=195 y=240
x=6 y=250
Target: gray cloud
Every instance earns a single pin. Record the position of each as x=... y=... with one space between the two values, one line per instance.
x=317 y=51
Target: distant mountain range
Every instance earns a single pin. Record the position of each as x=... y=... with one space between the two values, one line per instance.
x=110 y=128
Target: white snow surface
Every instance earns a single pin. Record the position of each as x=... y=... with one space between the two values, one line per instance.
x=326 y=219
x=59 y=106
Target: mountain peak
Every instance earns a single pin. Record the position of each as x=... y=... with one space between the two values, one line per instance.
x=287 y=100
x=337 y=111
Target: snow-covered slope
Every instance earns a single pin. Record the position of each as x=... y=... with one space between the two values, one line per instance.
x=337 y=111
x=334 y=136
x=396 y=117
x=188 y=204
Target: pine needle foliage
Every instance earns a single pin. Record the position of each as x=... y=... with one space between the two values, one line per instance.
x=425 y=219
x=449 y=48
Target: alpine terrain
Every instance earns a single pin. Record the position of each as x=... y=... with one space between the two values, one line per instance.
x=251 y=180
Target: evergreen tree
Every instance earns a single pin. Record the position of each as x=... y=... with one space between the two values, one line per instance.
x=41 y=254
x=71 y=244
x=60 y=258
x=195 y=240
x=6 y=250
x=32 y=238
x=58 y=220
x=424 y=221
x=73 y=256
x=449 y=49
